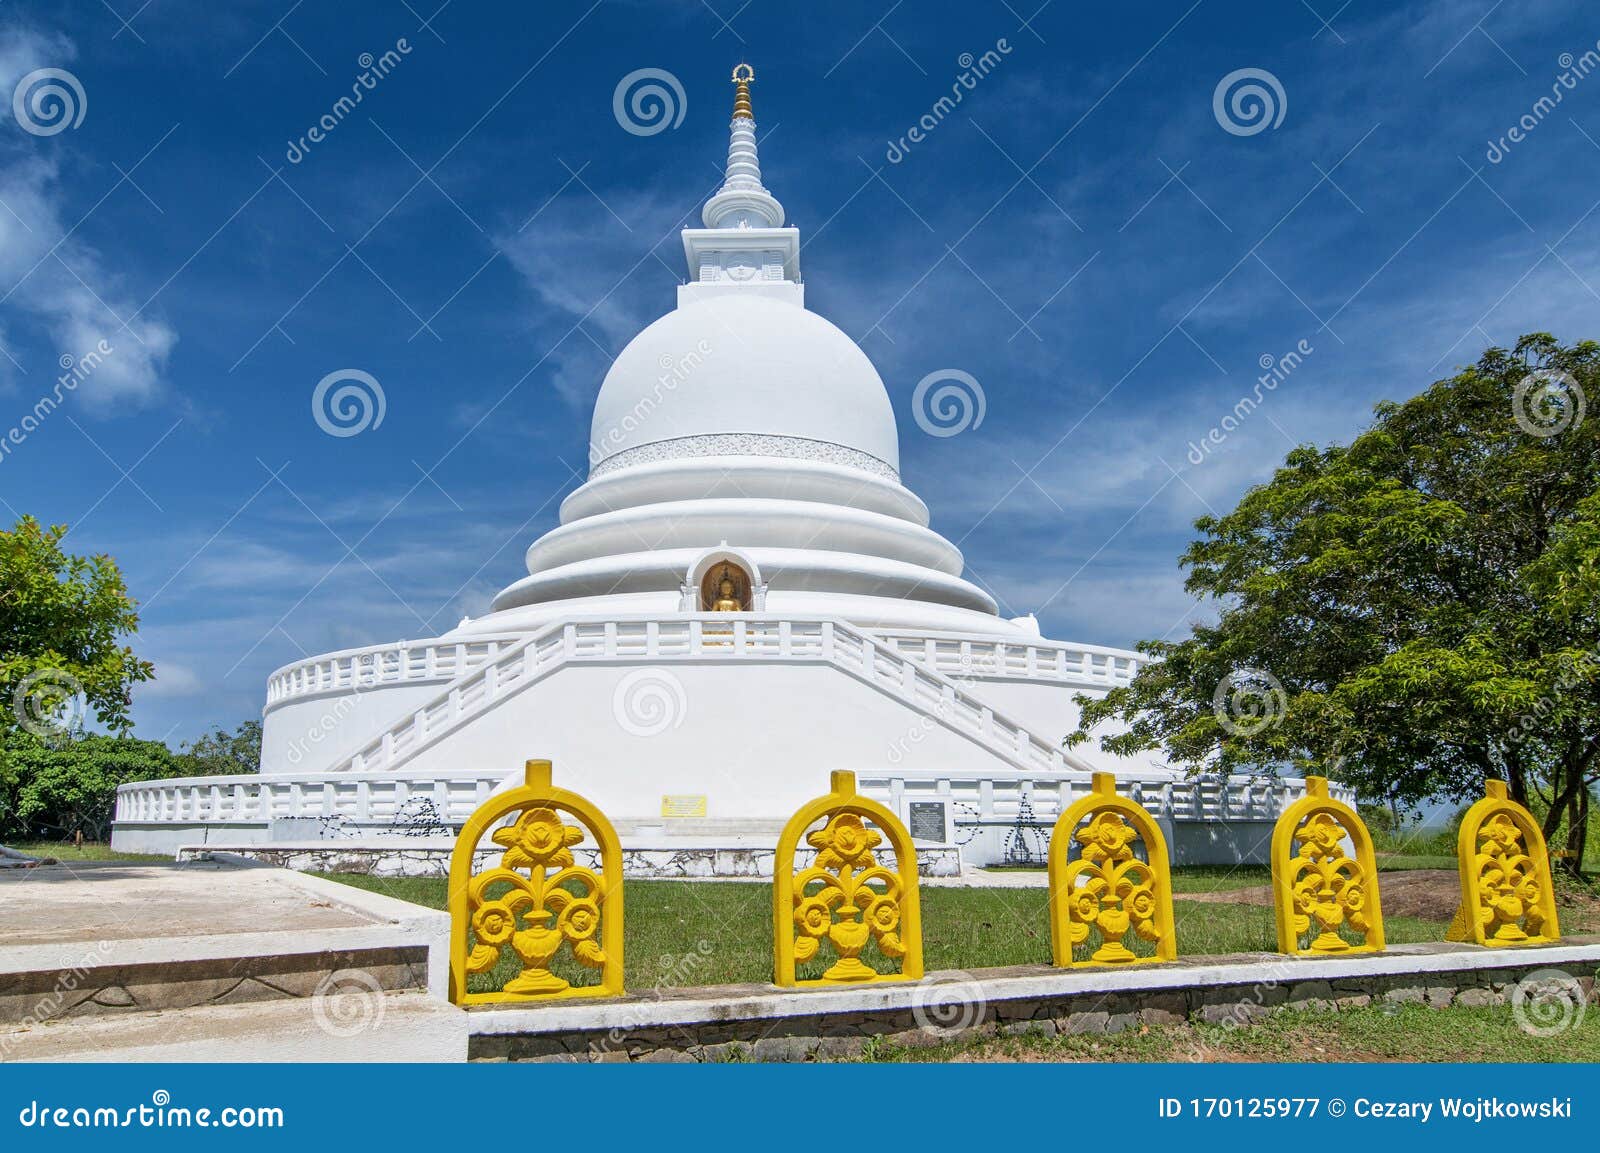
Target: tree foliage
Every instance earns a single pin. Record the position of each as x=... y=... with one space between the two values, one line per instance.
x=62 y=620
x=50 y=790
x=1427 y=597
x=221 y=753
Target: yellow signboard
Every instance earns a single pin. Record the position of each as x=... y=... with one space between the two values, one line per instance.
x=683 y=805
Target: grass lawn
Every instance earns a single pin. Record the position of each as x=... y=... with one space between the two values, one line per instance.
x=1218 y=878
x=1379 y=1033
x=1397 y=862
x=89 y=851
x=718 y=932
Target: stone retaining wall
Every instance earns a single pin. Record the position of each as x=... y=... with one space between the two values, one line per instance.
x=414 y=857
x=767 y=1024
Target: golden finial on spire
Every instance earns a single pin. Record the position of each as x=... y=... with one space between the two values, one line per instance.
x=742 y=76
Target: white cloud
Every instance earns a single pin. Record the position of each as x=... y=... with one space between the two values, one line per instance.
x=57 y=278
x=173 y=680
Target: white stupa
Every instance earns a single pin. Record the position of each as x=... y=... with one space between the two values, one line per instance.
x=743 y=596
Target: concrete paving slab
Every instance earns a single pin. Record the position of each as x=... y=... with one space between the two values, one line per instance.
x=99 y=916
x=119 y=900
x=394 y=1027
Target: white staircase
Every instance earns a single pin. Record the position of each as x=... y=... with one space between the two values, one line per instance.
x=947 y=700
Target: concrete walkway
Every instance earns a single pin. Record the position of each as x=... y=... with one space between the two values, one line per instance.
x=118 y=960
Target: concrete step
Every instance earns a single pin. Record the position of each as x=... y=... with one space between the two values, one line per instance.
x=113 y=938
x=76 y=985
x=355 y=1024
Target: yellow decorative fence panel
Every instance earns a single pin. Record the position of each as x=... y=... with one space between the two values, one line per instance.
x=1108 y=890
x=846 y=898
x=1322 y=896
x=538 y=903
x=1507 y=892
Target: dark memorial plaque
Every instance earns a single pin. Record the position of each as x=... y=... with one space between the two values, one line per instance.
x=925 y=820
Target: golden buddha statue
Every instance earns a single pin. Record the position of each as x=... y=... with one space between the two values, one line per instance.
x=726 y=601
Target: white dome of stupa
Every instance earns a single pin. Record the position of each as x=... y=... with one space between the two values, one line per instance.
x=737 y=366
x=743 y=433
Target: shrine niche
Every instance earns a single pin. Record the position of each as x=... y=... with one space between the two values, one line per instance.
x=725 y=589
x=703 y=588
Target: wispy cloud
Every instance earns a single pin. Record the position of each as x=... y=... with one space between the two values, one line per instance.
x=51 y=274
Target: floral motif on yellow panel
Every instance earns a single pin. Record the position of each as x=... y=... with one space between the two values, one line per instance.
x=846 y=897
x=1507 y=892
x=538 y=898
x=1108 y=889
x=1319 y=891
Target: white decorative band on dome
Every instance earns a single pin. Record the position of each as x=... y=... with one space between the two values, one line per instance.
x=745 y=444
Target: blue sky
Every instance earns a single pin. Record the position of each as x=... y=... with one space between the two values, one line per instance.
x=1081 y=235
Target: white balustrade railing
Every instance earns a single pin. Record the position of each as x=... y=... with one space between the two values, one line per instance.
x=366 y=799
x=373 y=801
x=741 y=636
x=425 y=661
x=987 y=800
x=1088 y=665
x=405 y=661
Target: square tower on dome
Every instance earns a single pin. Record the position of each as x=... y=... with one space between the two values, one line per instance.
x=744 y=246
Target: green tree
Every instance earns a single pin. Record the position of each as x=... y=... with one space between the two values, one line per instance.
x=1415 y=612
x=221 y=753
x=62 y=620
x=50 y=790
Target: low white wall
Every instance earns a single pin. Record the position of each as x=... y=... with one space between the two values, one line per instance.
x=312 y=732
x=753 y=746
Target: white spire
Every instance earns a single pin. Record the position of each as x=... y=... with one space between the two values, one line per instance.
x=742 y=201
x=744 y=246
